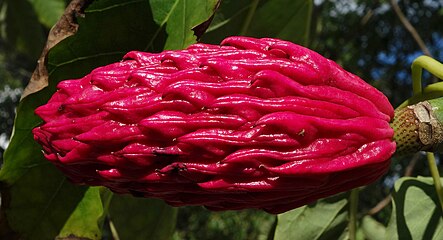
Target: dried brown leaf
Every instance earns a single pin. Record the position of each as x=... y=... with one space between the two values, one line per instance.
x=65 y=27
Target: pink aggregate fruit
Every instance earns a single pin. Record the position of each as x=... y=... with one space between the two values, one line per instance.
x=253 y=123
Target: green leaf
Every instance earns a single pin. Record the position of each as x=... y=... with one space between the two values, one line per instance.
x=284 y=19
x=180 y=17
x=87 y=219
x=138 y=218
x=416 y=213
x=22 y=28
x=372 y=229
x=325 y=219
x=108 y=31
x=48 y=11
x=228 y=20
x=23 y=153
x=39 y=203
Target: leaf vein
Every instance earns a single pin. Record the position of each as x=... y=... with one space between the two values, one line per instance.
x=113 y=6
x=83 y=58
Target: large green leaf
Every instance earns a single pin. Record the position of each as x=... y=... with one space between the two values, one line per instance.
x=416 y=210
x=37 y=204
x=138 y=218
x=284 y=19
x=109 y=30
x=325 y=219
x=38 y=201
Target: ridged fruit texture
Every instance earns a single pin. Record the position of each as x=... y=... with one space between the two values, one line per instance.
x=254 y=123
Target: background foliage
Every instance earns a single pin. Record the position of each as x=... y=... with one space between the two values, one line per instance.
x=365 y=37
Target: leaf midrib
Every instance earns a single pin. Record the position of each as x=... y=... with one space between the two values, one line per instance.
x=165 y=20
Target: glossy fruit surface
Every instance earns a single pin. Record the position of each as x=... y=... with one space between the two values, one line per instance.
x=254 y=123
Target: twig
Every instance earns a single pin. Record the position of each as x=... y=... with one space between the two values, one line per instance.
x=366 y=17
x=410 y=28
x=380 y=205
x=410 y=168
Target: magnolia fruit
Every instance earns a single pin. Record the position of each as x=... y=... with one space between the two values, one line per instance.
x=253 y=123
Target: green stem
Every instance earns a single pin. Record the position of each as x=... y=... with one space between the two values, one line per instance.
x=353 y=206
x=248 y=20
x=436 y=68
x=431 y=65
x=436 y=176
